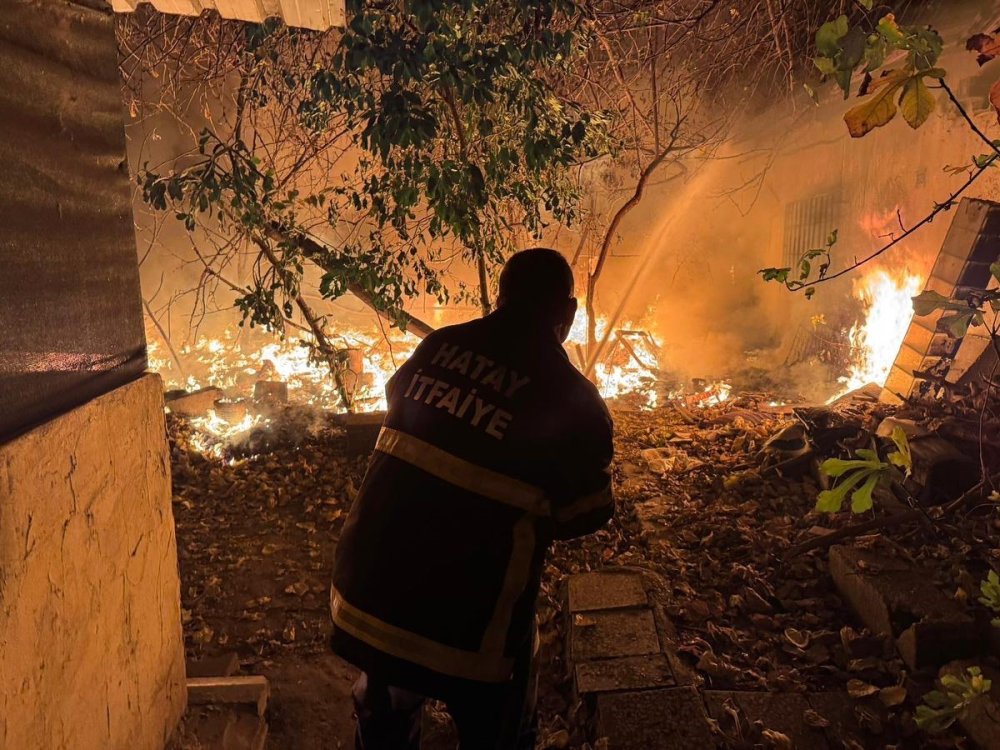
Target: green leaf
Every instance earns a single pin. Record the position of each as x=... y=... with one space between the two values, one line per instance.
x=831 y=501
x=861 y=498
x=874 y=54
x=775 y=274
x=957 y=325
x=836 y=467
x=995 y=270
x=890 y=30
x=928 y=301
x=901 y=457
x=916 y=102
x=825 y=65
x=829 y=34
x=869 y=455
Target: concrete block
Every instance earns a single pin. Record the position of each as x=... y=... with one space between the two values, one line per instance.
x=92 y=649
x=195 y=403
x=668 y=719
x=605 y=590
x=604 y=635
x=894 y=599
x=623 y=673
x=248 y=690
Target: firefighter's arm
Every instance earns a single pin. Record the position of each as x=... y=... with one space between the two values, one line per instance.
x=587 y=501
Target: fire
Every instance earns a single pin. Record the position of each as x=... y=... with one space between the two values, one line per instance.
x=230 y=363
x=875 y=340
x=633 y=372
x=213 y=433
x=235 y=363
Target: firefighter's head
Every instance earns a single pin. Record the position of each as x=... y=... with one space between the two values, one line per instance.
x=537 y=285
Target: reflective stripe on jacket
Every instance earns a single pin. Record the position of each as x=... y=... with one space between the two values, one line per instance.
x=493 y=445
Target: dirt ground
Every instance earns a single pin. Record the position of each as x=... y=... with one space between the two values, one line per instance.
x=256 y=537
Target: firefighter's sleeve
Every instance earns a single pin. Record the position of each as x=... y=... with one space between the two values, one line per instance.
x=585 y=501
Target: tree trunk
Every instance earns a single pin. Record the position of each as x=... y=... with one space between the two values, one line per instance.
x=484 y=289
x=602 y=256
x=313 y=250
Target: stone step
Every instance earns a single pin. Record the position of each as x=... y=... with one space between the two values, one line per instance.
x=664 y=719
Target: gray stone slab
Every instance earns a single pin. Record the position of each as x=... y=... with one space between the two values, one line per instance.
x=605 y=590
x=781 y=712
x=624 y=673
x=621 y=632
x=668 y=719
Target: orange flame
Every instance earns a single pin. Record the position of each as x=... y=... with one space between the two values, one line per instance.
x=875 y=340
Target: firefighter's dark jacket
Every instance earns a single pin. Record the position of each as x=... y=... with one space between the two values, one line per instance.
x=493 y=445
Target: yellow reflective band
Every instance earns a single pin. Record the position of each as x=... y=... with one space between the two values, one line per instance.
x=514 y=583
x=403 y=644
x=585 y=504
x=462 y=473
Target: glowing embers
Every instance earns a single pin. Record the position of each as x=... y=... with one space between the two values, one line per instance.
x=875 y=340
x=213 y=435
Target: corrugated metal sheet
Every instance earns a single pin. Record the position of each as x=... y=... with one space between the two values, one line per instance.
x=70 y=306
x=307 y=14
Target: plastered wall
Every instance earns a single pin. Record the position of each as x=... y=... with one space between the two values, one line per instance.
x=91 y=652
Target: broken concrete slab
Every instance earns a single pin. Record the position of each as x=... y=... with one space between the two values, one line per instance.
x=194 y=403
x=666 y=719
x=894 y=599
x=607 y=634
x=251 y=690
x=623 y=673
x=605 y=589
x=781 y=712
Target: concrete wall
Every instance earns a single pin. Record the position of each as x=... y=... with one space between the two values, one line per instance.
x=91 y=651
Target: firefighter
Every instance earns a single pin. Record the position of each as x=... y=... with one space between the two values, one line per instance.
x=493 y=446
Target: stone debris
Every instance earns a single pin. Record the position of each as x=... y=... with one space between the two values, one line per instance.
x=896 y=600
